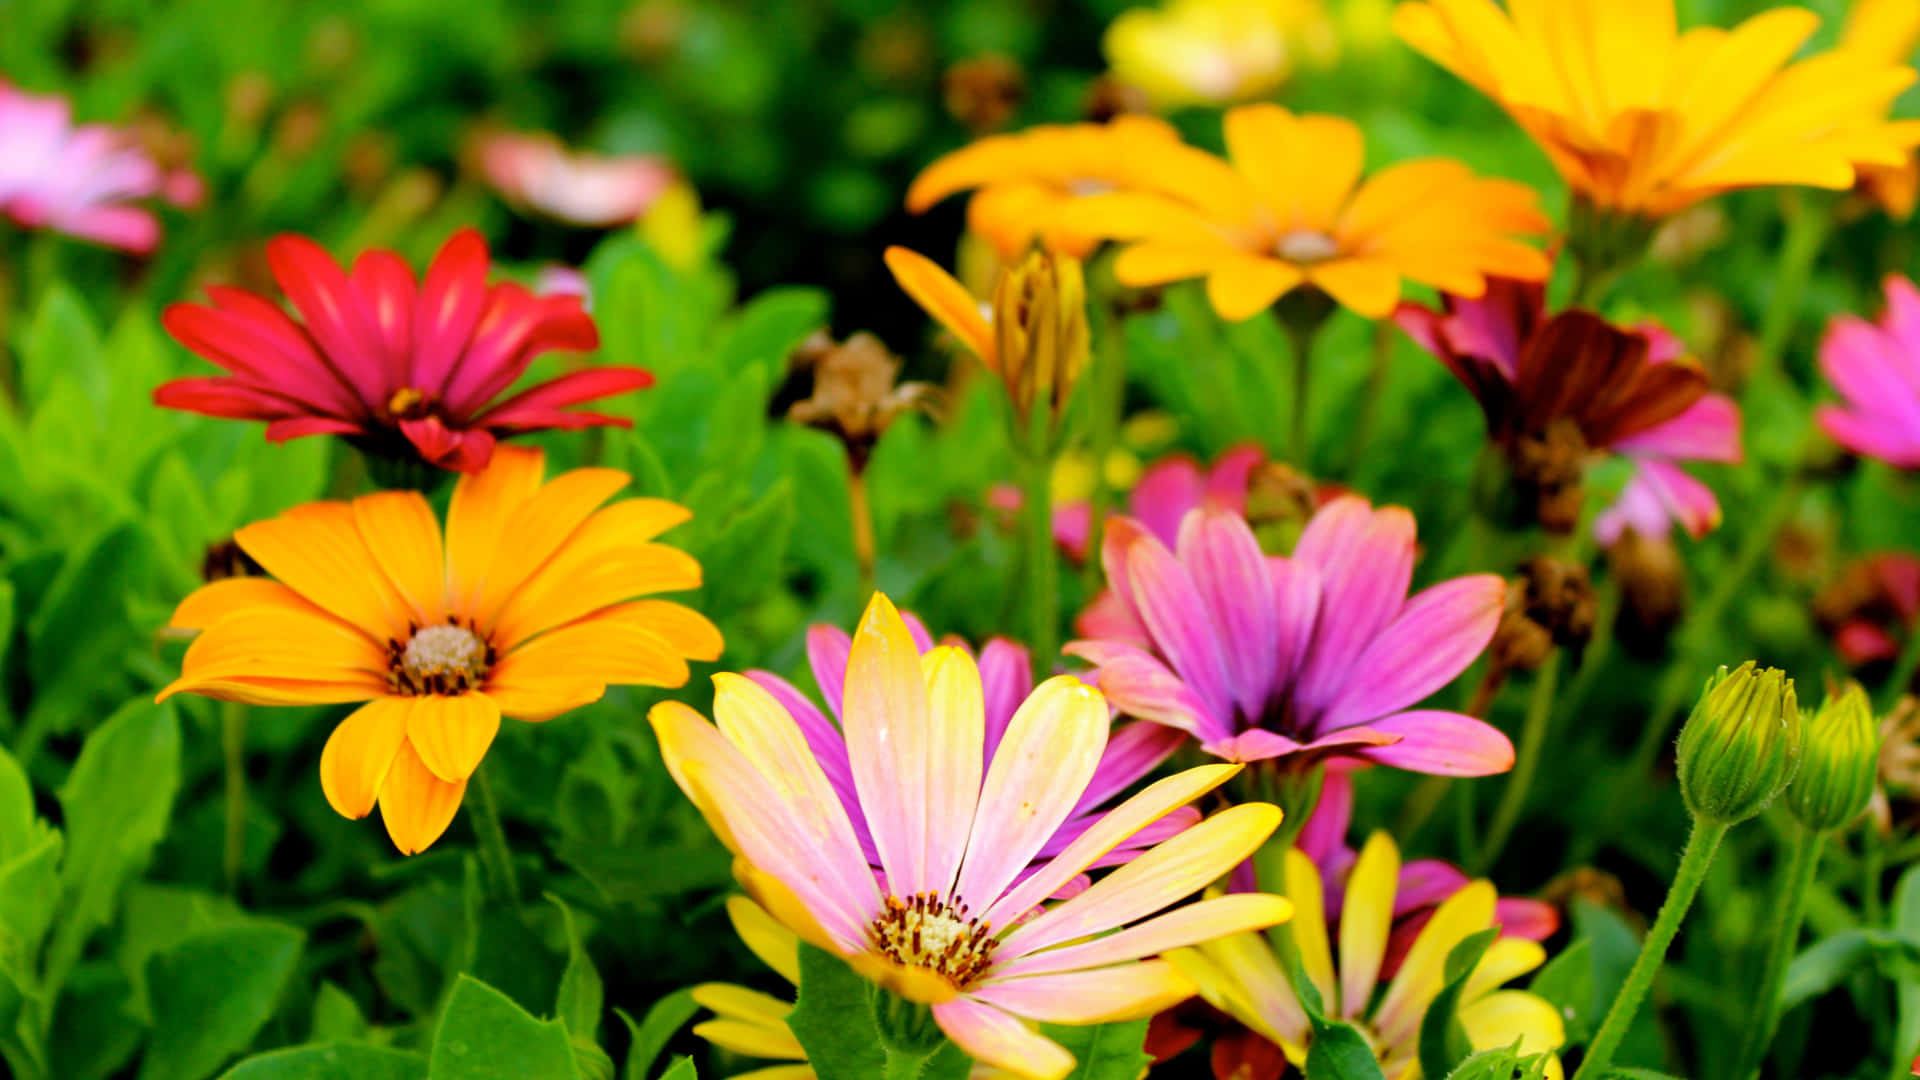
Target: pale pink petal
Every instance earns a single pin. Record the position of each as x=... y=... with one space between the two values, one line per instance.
x=1139 y=685
x=1708 y=430
x=1006 y=678
x=1439 y=634
x=823 y=738
x=888 y=730
x=1183 y=926
x=993 y=1037
x=827 y=649
x=1659 y=495
x=1296 y=606
x=1103 y=995
x=1517 y=916
x=1442 y=743
x=1108 y=618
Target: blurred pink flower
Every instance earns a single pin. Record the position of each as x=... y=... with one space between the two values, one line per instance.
x=83 y=180
x=1314 y=655
x=559 y=279
x=1530 y=371
x=1876 y=369
x=538 y=172
x=1006 y=677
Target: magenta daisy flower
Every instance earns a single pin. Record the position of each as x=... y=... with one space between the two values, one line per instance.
x=1314 y=655
x=1006 y=680
x=402 y=368
x=954 y=918
x=1876 y=369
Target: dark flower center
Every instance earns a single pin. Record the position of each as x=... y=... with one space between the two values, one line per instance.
x=445 y=659
x=927 y=931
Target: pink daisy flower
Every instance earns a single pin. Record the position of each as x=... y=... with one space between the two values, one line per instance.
x=403 y=368
x=1314 y=655
x=84 y=180
x=538 y=172
x=1876 y=369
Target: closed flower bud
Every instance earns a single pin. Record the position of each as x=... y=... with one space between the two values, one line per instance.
x=1040 y=329
x=1741 y=746
x=1838 y=763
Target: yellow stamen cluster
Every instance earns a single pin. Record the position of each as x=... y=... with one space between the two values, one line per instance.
x=928 y=931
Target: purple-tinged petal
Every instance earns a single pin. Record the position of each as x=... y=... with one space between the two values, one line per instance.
x=1141 y=686
x=1006 y=678
x=1133 y=751
x=1168 y=601
x=1108 y=618
x=1426 y=883
x=1166 y=491
x=1903 y=317
x=1436 y=636
x=1232 y=473
x=918 y=631
x=1871 y=436
x=1517 y=916
x=1441 y=743
x=1365 y=559
x=1256 y=745
x=1226 y=563
x=1708 y=430
x=1326 y=829
x=1296 y=606
x=828 y=745
x=1659 y=495
x=827 y=651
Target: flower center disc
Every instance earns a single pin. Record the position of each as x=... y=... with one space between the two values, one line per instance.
x=439 y=660
x=927 y=931
x=1307 y=246
x=408 y=403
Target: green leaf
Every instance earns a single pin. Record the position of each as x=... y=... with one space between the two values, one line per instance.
x=29 y=872
x=1567 y=983
x=1614 y=947
x=212 y=993
x=332 y=1061
x=651 y=1035
x=1640 y=1074
x=1906 y=923
x=581 y=994
x=1443 y=1042
x=337 y=1016
x=746 y=560
x=833 y=1018
x=681 y=1069
x=485 y=1036
x=766 y=331
x=116 y=801
x=1827 y=962
x=1103 y=1051
x=1339 y=1052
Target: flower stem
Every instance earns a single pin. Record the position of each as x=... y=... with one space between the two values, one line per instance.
x=1701 y=845
x=1299 y=442
x=1903 y=669
x=862 y=511
x=1802 y=861
x=495 y=857
x=233 y=745
x=1041 y=565
x=1380 y=359
x=1807 y=228
x=1109 y=403
x=1533 y=739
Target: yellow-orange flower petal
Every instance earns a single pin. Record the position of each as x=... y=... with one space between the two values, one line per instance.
x=359 y=754
x=945 y=299
x=416 y=805
x=451 y=733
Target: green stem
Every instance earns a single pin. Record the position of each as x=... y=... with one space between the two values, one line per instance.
x=1041 y=565
x=1807 y=228
x=233 y=743
x=1533 y=740
x=1378 y=364
x=1701 y=844
x=1299 y=444
x=495 y=856
x=1680 y=682
x=1802 y=861
x=1903 y=669
x=1109 y=402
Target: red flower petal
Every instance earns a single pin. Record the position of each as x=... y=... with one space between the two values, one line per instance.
x=386 y=288
x=573 y=388
x=463 y=451
x=330 y=305
x=448 y=309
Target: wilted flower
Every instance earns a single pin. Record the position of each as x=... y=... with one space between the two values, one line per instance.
x=403 y=368
x=84 y=180
x=1025 y=179
x=1034 y=337
x=1642 y=119
x=1290 y=209
x=1242 y=975
x=537 y=172
x=526 y=609
x=1558 y=392
x=1899 y=764
x=1316 y=654
x=1216 y=52
x=1006 y=680
x=1741 y=746
x=854 y=394
x=1876 y=369
x=952 y=920
x=1838 y=763
x=1871 y=607
x=1549 y=605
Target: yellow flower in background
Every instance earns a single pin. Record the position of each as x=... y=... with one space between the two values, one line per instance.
x=1643 y=119
x=1290 y=208
x=674 y=228
x=1034 y=336
x=1216 y=52
x=1241 y=976
x=747 y=1021
x=526 y=609
x=1886 y=30
x=1024 y=179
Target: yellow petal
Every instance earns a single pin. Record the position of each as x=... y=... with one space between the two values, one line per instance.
x=1242 y=286
x=956 y=713
x=1500 y=1018
x=316 y=549
x=1423 y=972
x=416 y=805
x=1368 y=287
x=740 y=1003
x=1366 y=917
x=751 y=1039
x=945 y=299
x=359 y=754
x=210 y=603
x=775 y=945
x=483 y=503
x=538 y=528
x=1309 y=926
x=400 y=530
x=451 y=733
x=1506 y=959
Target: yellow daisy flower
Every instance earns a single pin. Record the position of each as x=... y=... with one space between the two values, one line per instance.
x=527 y=609
x=1216 y=52
x=1644 y=119
x=1241 y=976
x=1290 y=208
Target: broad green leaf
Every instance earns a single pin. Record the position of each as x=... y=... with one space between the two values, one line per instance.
x=651 y=1035
x=833 y=1018
x=580 y=1000
x=745 y=561
x=681 y=1069
x=96 y=1030
x=332 y=1061
x=61 y=346
x=485 y=1036
x=1567 y=983
x=1906 y=924
x=1103 y=1051
x=1339 y=1052
x=1443 y=1042
x=1614 y=948
x=765 y=332
x=337 y=1016
x=29 y=871
x=1640 y=1074
x=1827 y=962
x=116 y=804
x=212 y=993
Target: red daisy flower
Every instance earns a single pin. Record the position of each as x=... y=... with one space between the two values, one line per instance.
x=402 y=368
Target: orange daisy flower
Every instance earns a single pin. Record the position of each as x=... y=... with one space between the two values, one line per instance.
x=1289 y=208
x=1025 y=179
x=527 y=609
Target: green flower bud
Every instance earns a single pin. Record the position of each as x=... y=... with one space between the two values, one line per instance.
x=1838 y=763
x=1741 y=746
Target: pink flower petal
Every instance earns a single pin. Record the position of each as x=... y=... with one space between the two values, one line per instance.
x=449 y=306
x=1442 y=743
x=1006 y=678
x=1709 y=430
x=1168 y=601
x=827 y=649
x=1224 y=560
x=1439 y=634
x=1365 y=560
x=1141 y=686
x=1166 y=491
